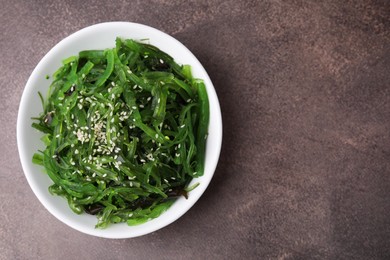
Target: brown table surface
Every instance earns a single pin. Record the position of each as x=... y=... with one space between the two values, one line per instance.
x=304 y=88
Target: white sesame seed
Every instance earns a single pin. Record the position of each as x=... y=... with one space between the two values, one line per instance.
x=113 y=96
x=161 y=61
x=94 y=175
x=130 y=215
x=158 y=101
x=179 y=146
x=142 y=160
x=129 y=71
x=112 y=120
x=57 y=136
x=156 y=135
x=135 y=86
x=83 y=75
x=134 y=107
x=54 y=156
x=141 y=106
x=80 y=106
x=188 y=100
x=149 y=98
x=166 y=180
x=72 y=145
x=88 y=168
x=177 y=154
x=76 y=151
x=60 y=98
x=182 y=126
x=104 y=175
x=113 y=84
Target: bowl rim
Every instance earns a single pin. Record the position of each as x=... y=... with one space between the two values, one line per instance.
x=21 y=123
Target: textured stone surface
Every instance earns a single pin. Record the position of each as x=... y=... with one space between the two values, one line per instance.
x=304 y=88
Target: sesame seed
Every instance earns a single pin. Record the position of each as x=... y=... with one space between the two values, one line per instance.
x=104 y=175
x=188 y=100
x=161 y=61
x=135 y=86
x=149 y=98
x=83 y=75
x=156 y=135
x=134 y=107
x=141 y=106
x=177 y=154
x=112 y=83
x=88 y=168
x=80 y=106
x=142 y=160
x=158 y=101
x=130 y=215
x=57 y=136
x=173 y=178
x=72 y=116
x=72 y=145
x=166 y=180
x=60 y=98
x=179 y=146
x=182 y=126
x=113 y=96
x=94 y=175
x=129 y=71
x=54 y=156
x=76 y=151
x=112 y=120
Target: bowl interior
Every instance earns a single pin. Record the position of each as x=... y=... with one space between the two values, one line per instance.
x=103 y=36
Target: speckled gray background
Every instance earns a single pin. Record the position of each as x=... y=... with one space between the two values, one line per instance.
x=304 y=88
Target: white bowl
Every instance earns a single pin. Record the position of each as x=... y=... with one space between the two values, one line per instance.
x=101 y=36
